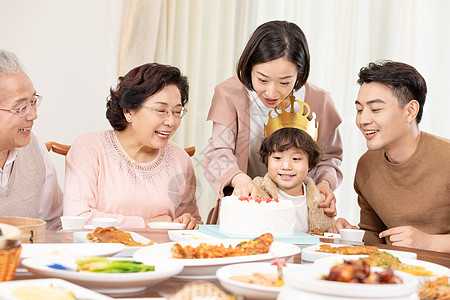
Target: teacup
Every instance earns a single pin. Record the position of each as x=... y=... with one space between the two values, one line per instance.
x=104 y=222
x=72 y=222
x=354 y=235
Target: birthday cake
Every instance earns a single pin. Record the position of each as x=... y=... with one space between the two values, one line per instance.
x=255 y=216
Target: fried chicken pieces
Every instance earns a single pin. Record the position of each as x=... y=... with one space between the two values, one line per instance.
x=114 y=235
x=259 y=245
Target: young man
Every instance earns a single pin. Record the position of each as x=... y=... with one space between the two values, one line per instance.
x=403 y=180
x=28 y=183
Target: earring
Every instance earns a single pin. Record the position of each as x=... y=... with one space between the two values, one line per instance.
x=129 y=119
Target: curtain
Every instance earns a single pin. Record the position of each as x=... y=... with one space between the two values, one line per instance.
x=204 y=38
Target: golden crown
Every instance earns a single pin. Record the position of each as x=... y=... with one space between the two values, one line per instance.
x=292 y=119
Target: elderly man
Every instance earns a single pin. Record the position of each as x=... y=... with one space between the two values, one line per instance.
x=28 y=183
x=403 y=180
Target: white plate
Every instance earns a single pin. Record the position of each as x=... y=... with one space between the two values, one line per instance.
x=329 y=235
x=209 y=266
x=105 y=282
x=81 y=237
x=310 y=254
x=79 y=292
x=306 y=277
x=189 y=235
x=247 y=289
x=166 y=225
x=70 y=249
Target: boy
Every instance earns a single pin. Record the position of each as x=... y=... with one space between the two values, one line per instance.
x=289 y=153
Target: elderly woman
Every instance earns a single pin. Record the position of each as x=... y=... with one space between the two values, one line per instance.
x=133 y=172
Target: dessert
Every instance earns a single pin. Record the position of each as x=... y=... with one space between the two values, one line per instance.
x=255 y=216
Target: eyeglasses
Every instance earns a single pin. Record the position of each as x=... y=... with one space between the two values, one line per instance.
x=163 y=112
x=24 y=110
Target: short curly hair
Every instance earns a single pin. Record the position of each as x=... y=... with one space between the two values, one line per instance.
x=138 y=85
x=286 y=138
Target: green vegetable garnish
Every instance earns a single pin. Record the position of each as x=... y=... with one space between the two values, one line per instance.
x=99 y=264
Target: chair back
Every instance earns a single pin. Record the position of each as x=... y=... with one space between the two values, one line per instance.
x=63 y=149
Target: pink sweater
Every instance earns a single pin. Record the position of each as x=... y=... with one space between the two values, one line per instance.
x=103 y=181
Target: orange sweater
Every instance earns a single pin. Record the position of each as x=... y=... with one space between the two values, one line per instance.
x=415 y=192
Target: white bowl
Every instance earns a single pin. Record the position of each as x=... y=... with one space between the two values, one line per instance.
x=304 y=282
x=104 y=222
x=354 y=235
x=72 y=222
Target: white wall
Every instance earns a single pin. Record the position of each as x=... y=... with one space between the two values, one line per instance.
x=70 y=51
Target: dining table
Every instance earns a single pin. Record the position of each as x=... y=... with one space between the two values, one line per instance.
x=170 y=287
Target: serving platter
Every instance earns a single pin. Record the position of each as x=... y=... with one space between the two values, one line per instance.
x=206 y=268
x=109 y=283
x=310 y=253
x=249 y=290
x=81 y=237
x=7 y=288
x=187 y=235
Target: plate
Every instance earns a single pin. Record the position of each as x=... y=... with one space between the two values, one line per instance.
x=188 y=235
x=166 y=225
x=209 y=266
x=81 y=237
x=329 y=235
x=247 y=289
x=306 y=278
x=310 y=254
x=70 y=249
x=79 y=292
x=109 y=283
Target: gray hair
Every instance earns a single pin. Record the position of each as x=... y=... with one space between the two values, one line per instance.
x=9 y=63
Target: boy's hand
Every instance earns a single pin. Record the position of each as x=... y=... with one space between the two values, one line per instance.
x=329 y=203
x=243 y=185
x=339 y=224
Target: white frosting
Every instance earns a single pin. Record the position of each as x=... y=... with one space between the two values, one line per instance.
x=252 y=218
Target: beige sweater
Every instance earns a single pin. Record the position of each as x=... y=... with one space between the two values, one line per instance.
x=20 y=197
x=316 y=216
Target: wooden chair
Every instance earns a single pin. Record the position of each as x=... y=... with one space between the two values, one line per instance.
x=63 y=149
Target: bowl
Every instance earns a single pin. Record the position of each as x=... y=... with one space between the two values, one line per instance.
x=304 y=282
x=72 y=222
x=354 y=235
x=104 y=222
x=33 y=229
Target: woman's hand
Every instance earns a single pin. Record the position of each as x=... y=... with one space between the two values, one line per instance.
x=329 y=203
x=162 y=218
x=187 y=219
x=243 y=185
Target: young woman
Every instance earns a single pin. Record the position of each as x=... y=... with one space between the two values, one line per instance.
x=273 y=66
x=133 y=172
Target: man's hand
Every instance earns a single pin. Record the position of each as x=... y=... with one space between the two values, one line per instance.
x=408 y=236
x=340 y=223
x=187 y=219
x=243 y=185
x=329 y=203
